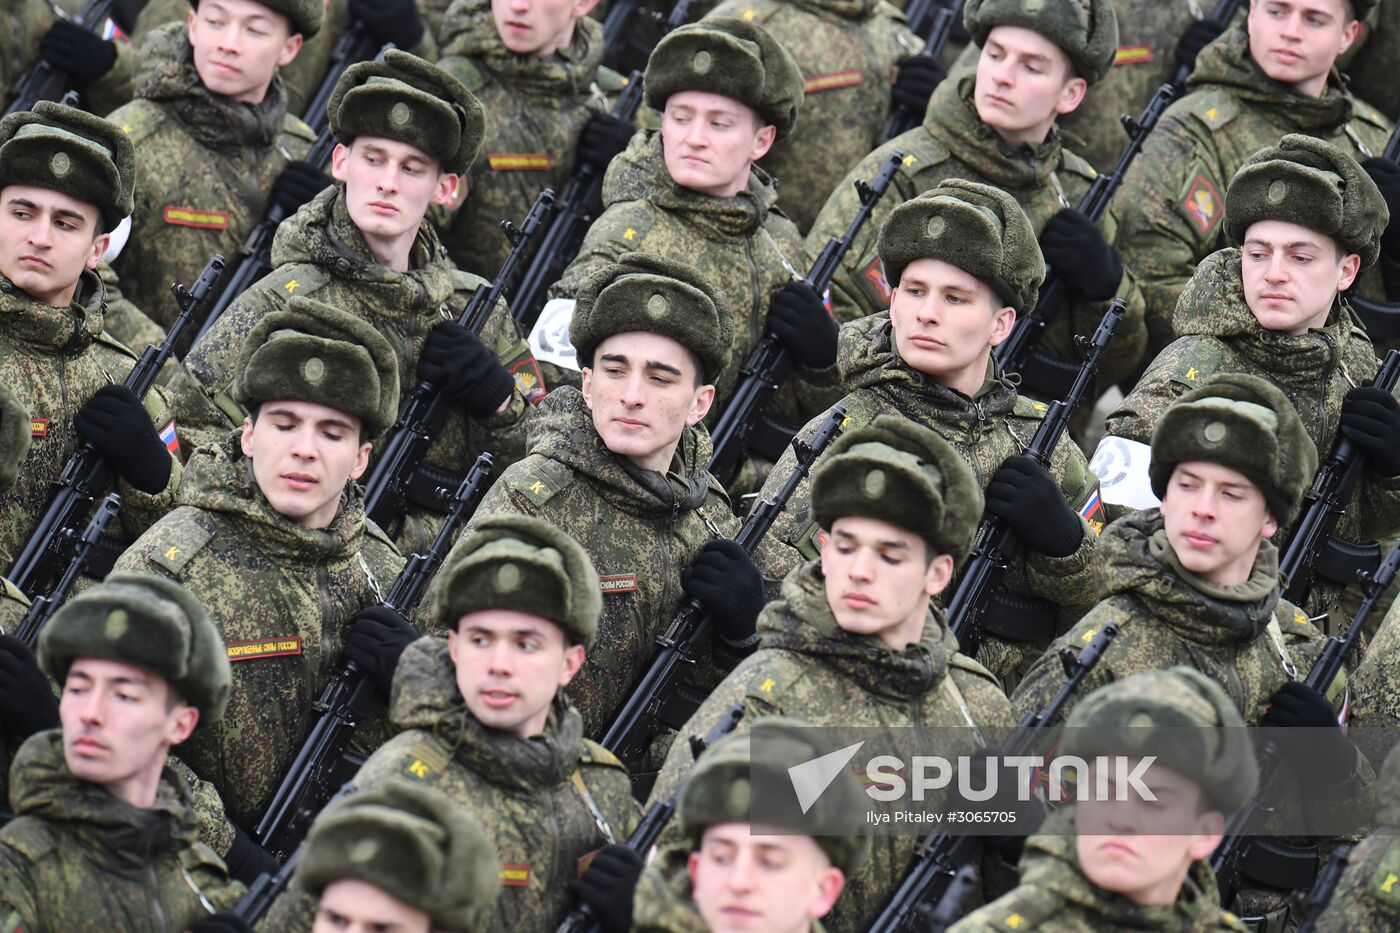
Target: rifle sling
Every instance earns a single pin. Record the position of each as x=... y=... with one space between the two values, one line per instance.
x=1020 y=618
x=1277 y=864
x=432 y=488
x=1342 y=561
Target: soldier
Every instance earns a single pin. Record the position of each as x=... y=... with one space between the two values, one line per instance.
x=854 y=640
x=1364 y=900
x=1131 y=864
x=15 y=437
x=729 y=874
x=1195 y=582
x=1270 y=75
x=484 y=719
x=537 y=69
x=407 y=131
x=1308 y=220
x=106 y=833
x=964 y=262
x=36 y=30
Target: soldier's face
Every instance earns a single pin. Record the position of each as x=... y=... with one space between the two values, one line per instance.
x=1215 y=519
x=510 y=665
x=303 y=455
x=1143 y=849
x=710 y=142
x=47 y=239
x=1296 y=42
x=353 y=906
x=538 y=27
x=946 y=322
x=742 y=881
x=878 y=579
x=1024 y=82
x=643 y=394
x=118 y=725
x=389 y=186
x=238 y=47
x=1292 y=275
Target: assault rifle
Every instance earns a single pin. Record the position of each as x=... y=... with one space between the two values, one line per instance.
x=658 y=699
x=996 y=542
x=1320 y=895
x=424 y=411
x=767 y=364
x=939 y=857
x=1243 y=830
x=1382 y=318
x=43 y=607
x=1311 y=549
x=1223 y=13
x=86 y=477
x=270 y=885
x=623 y=50
x=943 y=20
x=42 y=81
x=316 y=770
x=582 y=919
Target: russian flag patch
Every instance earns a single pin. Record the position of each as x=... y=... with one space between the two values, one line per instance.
x=169 y=438
x=1092 y=511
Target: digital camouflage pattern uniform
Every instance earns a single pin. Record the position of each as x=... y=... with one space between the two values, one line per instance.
x=521 y=791
x=985 y=430
x=82 y=860
x=283 y=597
x=24 y=23
x=13 y=606
x=319 y=253
x=1375 y=689
x=1366 y=899
x=1372 y=68
x=953 y=142
x=846 y=50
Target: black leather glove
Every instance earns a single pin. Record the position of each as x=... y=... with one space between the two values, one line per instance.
x=1309 y=733
x=246 y=859
x=298 y=183
x=1027 y=497
x=81 y=54
x=1028 y=814
x=603 y=137
x=803 y=324
x=1087 y=263
x=1386 y=175
x=225 y=921
x=915 y=81
x=27 y=703
x=395 y=21
x=124 y=14
x=115 y=422
x=1371 y=421
x=608 y=886
x=376 y=639
x=456 y=360
x=1201 y=33
x=726 y=581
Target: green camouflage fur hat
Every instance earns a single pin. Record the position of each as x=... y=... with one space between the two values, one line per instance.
x=978 y=228
x=72 y=152
x=903 y=473
x=1179 y=715
x=642 y=292
x=1087 y=30
x=15 y=437
x=306 y=16
x=526 y=564
x=733 y=58
x=1311 y=183
x=312 y=352
x=414 y=844
x=741 y=771
x=407 y=99
x=1245 y=423
x=148 y=622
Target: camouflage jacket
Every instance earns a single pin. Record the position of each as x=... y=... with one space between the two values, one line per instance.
x=846 y=50
x=205 y=165
x=80 y=860
x=641 y=528
x=1372 y=67
x=1375 y=692
x=13 y=607
x=986 y=429
x=319 y=253
x=1171 y=204
x=1054 y=896
x=22 y=26
x=522 y=792
x=535 y=110
x=953 y=142
x=1365 y=900
x=282 y=597
x=808 y=668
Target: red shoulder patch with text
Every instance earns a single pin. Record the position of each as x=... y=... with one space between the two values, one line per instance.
x=38 y=427
x=618 y=583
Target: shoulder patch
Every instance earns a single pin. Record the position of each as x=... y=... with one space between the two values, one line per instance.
x=921 y=151
x=1195 y=367
x=1027 y=407
x=595 y=754
x=112 y=343
x=750 y=11
x=14 y=592
x=468 y=282
x=1365 y=111
x=773 y=678
x=1294 y=623
x=1384 y=885
x=425 y=761
x=379 y=536
x=138 y=119
x=298 y=279
x=540 y=480
x=30 y=837
x=630 y=224
x=610 y=82
x=1216 y=109
x=962 y=662
x=1202 y=202
x=293 y=125
x=1076 y=165
x=176 y=550
x=465 y=70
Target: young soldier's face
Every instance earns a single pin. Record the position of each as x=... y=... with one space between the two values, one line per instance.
x=1215 y=519
x=1292 y=275
x=710 y=142
x=353 y=906
x=1296 y=42
x=946 y=322
x=643 y=391
x=389 y=185
x=239 y=45
x=879 y=579
x=303 y=455
x=1143 y=849
x=510 y=665
x=1024 y=81
x=118 y=723
x=742 y=881
x=47 y=239
x=538 y=27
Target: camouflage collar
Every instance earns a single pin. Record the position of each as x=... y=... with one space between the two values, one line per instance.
x=39 y=327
